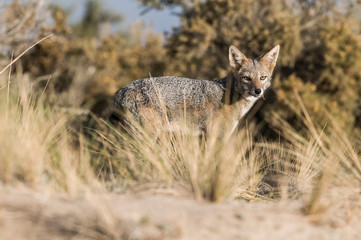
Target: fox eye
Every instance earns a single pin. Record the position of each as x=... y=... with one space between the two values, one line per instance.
x=263 y=78
x=247 y=78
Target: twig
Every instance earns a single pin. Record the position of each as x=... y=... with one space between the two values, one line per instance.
x=22 y=54
x=8 y=90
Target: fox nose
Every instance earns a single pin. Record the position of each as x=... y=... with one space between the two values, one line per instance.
x=258 y=91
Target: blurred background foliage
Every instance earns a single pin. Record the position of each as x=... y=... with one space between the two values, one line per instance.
x=86 y=62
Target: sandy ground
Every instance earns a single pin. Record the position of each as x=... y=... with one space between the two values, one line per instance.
x=33 y=215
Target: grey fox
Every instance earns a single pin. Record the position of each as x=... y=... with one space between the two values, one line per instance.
x=178 y=98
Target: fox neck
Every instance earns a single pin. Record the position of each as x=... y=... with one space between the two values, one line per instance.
x=231 y=94
x=238 y=100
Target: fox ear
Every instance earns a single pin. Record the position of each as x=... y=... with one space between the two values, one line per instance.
x=270 y=58
x=236 y=58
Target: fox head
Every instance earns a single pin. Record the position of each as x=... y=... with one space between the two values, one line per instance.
x=252 y=76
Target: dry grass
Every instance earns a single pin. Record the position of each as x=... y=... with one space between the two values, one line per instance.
x=316 y=163
x=38 y=148
x=215 y=166
x=41 y=150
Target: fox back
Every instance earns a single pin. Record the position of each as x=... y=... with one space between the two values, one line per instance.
x=151 y=100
